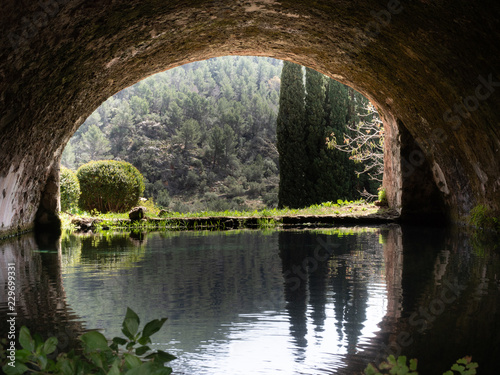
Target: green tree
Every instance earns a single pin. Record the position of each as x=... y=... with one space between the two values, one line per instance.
x=68 y=157
x=139 y=107
x=341 y=176
x=189 y=133
x=291 y=138
x=315 y=141
x=94 y=145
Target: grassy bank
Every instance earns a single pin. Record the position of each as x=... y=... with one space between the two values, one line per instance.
x=325 y=214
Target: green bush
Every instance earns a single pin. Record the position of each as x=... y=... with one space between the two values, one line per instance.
x=70 y=189
x=109 y=185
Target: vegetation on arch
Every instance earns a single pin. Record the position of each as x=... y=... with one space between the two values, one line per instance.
x=109 y=186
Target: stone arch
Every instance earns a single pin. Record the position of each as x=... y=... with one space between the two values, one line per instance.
x=432 y=66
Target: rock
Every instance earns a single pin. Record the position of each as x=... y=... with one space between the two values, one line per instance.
x=163 y=213
x=85 y=224
x=137 y=213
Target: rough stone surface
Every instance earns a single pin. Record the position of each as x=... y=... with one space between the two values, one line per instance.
x=433 y=66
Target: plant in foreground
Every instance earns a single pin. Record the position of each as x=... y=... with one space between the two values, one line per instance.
x=398 y=366
x=99 y=356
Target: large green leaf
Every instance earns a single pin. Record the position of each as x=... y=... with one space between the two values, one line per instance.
x=119 y=340
x=42 y=361
x=142 y=350
x=17 y=369
x=26 y=340
x=161 y=356
x=114 y=370
x=22 y=355
x=94 y=340
x=151 y=328
x=50 y=345
x=130 y=324
x=132 y=361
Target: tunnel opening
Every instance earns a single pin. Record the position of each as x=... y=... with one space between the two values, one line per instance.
x=166 y=125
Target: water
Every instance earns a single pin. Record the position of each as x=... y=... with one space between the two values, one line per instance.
x=277 y=302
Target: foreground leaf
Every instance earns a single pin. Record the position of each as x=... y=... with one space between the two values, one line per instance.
x=94 y=340
x=26 y=340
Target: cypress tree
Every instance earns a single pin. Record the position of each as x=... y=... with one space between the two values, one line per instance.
x=315 y=122
x=291 y=138
x=341 y=174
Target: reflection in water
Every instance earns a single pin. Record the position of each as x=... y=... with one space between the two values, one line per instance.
x=295 y=302
x=40 y=296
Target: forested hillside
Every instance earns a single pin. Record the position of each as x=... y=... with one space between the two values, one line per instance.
x=204 y=134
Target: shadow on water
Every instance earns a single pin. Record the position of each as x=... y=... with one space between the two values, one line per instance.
x=354 y=295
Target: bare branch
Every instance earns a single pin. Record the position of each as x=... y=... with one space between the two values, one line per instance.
x=365 y=142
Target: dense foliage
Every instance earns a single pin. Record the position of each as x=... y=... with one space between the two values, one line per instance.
x=97 y=355
x=70 y=189
x=204 y=136
x=291 y=137
x=310 y=171
x=109 y=185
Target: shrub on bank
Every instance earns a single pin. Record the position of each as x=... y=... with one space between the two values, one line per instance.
x=109 y=186
x=70 y=189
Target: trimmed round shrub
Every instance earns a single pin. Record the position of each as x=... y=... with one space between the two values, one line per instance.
x=109 y=185
x=70 y=189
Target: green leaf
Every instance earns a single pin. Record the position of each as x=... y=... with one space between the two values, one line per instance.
x=152 y=327
x=96 y=358
x=66 y=365
x=94 y=340
x=448 y=373
x=141 y=350
x=392 y=360
x=132 y=361
x=114 y=370
x=371 y=370
x=457 y=367
x=161 y=356
x=402 y=360
x=42 y=361
x=130 y=324
x=22 y=355
x=50 y=345
x=18 y=369
x=26 y=340
x=413 y=364
x=119 y=340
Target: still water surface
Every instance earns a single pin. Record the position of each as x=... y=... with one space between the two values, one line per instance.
x=278 y=302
